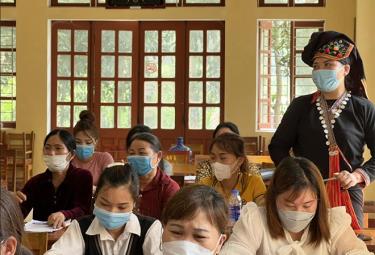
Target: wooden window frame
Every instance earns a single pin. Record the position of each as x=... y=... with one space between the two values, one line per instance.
x=8 y=4
x=291 y=3
x=95 y=3
x=295 y=24
x=9 y=124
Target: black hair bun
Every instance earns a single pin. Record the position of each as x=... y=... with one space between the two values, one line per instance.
x=87 y=116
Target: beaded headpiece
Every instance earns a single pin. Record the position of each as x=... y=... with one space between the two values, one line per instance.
x=336 y=50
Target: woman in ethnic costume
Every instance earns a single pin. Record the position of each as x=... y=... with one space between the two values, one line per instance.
x=332 y=126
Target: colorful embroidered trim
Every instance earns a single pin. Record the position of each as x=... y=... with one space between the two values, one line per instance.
x=335 y=50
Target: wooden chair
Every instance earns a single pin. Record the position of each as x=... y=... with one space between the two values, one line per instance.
x=7 y=163
x=23 y=143
x=35 y=242
x=251 y=145
x=177 y=156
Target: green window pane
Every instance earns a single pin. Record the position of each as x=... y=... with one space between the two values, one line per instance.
x=124 y=91
x=124 y=116
x=212 y=117
x=63 y=116
x=195 y=117
x=168 y=43
x=213 y=92
x=196 y=41
x=8 y=110
x=213 y=41
x=7 y=37
x=151 y=67
x=77 y=110
x=8 y=62
x=151 y=41
x=168 y=66
x=80 y=91
x=63 y=66
x=81 y=40
x=195 y=92
x=125 y=43
x=63 y=40
x=150 y=116
x=8 y=86
x=125 y=66
x=80 y=66
x=108 y=41
x=195 y=66
x=108 y=66
x=107 y=94
x=167 y=117
x=168 y=93
x=203 y=1
x=151 y=92
x=63 y=91
x=107 y=114
x=213 y=67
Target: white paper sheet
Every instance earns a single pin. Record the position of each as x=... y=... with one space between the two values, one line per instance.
x=41 y=226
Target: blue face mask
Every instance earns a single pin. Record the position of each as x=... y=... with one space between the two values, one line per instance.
x=84 y=152
x=111 y=220
x=326 y=80
x=141 y=164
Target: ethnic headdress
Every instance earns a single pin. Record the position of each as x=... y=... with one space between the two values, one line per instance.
x=337 y=46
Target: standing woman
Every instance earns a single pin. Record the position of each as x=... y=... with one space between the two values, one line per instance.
x=63 y=191
x=86 y=135
x=231 y=170
x=332 y=126
x=144 y=154
x=113 y=229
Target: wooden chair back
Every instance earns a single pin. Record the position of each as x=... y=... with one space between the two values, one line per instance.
x=251 y=145
x=8 y=165
x=35 y=242
x=177 y=156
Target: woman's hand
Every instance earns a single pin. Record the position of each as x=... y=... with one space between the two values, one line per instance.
x=56 y=220
x=348 y=179
x=21 y=197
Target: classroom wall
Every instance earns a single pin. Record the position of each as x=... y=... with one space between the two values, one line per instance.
x=365 y=40
x=33 y=43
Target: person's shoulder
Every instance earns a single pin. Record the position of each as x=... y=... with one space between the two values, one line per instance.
x=363 y=102
x=252 y=211
x=100 y=155
x=77 y=172
x=338 y=219
x=167 y=180
x=40 y=177
x=305 y=99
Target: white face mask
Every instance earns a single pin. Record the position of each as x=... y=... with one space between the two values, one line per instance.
x=295 y=221
x=183 y=247
x=222 y=171
x=56 y=163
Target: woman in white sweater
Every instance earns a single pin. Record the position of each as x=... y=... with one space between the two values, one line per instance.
x=297 y=219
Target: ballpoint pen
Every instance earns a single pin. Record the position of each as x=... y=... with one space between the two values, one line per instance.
x=330 y=179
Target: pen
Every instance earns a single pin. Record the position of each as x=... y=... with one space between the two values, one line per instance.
x=329 y=179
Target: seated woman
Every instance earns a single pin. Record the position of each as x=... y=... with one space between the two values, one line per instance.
x=11 y=227
x=204 y=168
x=86 y=136
x=194 y=221
x=113 y=229
x=296 y=219
x=144 y=154
x=231 y=170
x=63 y=191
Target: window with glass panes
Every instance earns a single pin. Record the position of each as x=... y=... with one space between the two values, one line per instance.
x=8 y=73
x=291 y=3
x=7 y=2
x=167 y=75
x=282 y=75
x=167 y=2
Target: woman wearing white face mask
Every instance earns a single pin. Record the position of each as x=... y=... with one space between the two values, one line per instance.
x=113 y=229
x=156 y=187
x=296 y=219
x=332 y=126
x=231 y=170
x=63 y=191
x=194 y=221
x=87 y=135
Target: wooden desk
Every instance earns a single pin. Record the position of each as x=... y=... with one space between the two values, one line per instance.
x=369 y=232
x=39 y=243
x=181 y=169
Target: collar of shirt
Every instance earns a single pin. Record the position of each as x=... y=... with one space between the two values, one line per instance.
x=160 y=179
x=132 y=227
